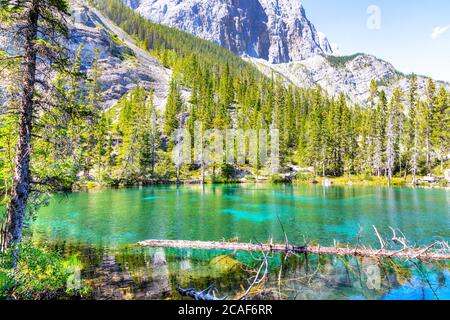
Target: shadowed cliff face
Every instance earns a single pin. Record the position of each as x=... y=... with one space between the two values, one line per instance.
x=274 y=30
x=121 y=63
x=277 y=36
x=244 y=29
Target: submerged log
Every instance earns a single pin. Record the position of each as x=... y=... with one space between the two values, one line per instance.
x=204 y=295
x=407 y=253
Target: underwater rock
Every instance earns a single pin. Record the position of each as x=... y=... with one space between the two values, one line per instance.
x=224 y=264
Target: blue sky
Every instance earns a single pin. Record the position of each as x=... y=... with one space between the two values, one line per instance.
x=404 y=36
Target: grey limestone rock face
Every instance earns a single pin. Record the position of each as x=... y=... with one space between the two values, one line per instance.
x=351 y=77
x=274 y=30
x=122 y=64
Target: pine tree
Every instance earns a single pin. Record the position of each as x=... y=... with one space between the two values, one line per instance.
x=394 y=112
x=147 y=139
x=41 y=25
x=412 y=135
x=226 y=89
x=135 y=132
x=440 y=118
x=373 y=94
x=90 y=109
x=173 y=108
x=380 y=132
x=428 y=122
x=400 y=136
x=350 y=123
x=372 y=129
x=365 y=157
x=315 y=149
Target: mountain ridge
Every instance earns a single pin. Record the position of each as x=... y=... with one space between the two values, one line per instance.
x=121 y=62
x=274 y=30
x=351 y=77
x=295 y=50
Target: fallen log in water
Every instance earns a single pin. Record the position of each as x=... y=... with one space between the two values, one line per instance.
x=406 y=253
x=204 y=295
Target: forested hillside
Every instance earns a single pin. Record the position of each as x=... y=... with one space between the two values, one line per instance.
x=131 y=142
x=330 y=135
x=168 y=42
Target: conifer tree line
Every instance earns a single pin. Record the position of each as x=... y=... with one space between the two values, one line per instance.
x=398 y=135
x=401 y=135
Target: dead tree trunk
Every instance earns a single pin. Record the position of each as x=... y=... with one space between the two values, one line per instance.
x=414 y=158
x=428 y=147
x=153 y=140
x=203 y=171
x=390 y=148
x=408 y=253
x=21 y=180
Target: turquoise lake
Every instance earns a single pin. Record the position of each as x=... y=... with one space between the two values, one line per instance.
x=98 y=225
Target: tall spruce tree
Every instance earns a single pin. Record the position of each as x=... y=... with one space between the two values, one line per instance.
x=428 y=122
x=37 y=26
x=441 y=123
x=412 y=134
x=394 y=113
x=173 y=109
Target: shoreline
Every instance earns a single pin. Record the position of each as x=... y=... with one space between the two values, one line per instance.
x=319 y=181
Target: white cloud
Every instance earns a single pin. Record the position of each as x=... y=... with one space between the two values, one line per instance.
x=438 y=31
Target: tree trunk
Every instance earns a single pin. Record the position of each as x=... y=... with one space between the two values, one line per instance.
x=389 y=179
x=390 y=159
x=423 y=254
x=153 y=140
x=427 y=146
x=203 y=172
x=415 y=155
x=20 y=191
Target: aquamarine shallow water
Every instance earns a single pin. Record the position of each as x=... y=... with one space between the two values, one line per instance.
x=98 y=224
x=115 y=217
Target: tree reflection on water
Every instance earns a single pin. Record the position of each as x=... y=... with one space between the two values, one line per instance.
x=146 y=273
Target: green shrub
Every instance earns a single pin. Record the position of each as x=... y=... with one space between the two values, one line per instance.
x=250 y=177
x=443 y=183
x=227 y=172
x=276 y=178
x=40 y=275
x=304 y=176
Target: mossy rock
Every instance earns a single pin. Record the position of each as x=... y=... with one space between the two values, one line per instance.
x=224 y=264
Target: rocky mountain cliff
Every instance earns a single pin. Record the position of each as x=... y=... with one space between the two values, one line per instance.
x=275 y=35
x=278 y=38
x=350 y=75
x=274 y=30
x=122 y=64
